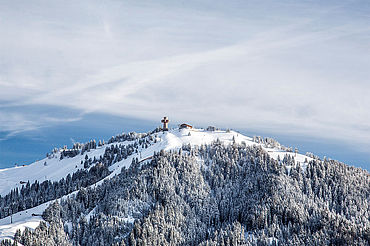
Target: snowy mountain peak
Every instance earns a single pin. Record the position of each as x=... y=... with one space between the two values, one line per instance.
x=120 y=152
x=53 y=168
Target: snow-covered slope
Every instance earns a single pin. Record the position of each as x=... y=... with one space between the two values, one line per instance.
x=53 y=170
x=21 y=220
x=56 y=169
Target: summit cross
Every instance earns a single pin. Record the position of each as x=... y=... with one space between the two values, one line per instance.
x=165 y=123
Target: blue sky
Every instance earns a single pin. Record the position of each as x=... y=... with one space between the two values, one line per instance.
x=283 y=68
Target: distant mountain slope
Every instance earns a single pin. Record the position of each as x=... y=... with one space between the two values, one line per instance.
x=170 y=188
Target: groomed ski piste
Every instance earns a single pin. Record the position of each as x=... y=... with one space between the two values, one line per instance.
x=56 y=169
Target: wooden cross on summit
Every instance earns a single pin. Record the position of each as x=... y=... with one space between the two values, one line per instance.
x=165 y=123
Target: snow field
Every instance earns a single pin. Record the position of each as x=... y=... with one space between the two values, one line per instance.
x=56 y=169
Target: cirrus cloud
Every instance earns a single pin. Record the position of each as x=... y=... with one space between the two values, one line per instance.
x=299 y=68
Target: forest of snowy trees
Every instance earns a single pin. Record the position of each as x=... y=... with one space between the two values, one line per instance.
x=91 y=171
x=214 y=195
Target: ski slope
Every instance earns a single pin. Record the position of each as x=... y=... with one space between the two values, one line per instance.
x=21 y=220
x=56 y=169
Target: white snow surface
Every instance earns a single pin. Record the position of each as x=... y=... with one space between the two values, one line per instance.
x=21 y=220
x=57 y=169
x=54 y=170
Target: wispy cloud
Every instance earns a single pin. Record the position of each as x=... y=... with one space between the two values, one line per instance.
x=300 y=68
x=15 y=120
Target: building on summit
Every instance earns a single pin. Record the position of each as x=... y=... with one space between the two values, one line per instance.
x=185 y=126
x=211 y=128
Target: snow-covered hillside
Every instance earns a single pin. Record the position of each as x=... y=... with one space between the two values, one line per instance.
x=55 y=169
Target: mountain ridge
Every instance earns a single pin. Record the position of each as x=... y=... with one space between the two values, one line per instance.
x=185 y=140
